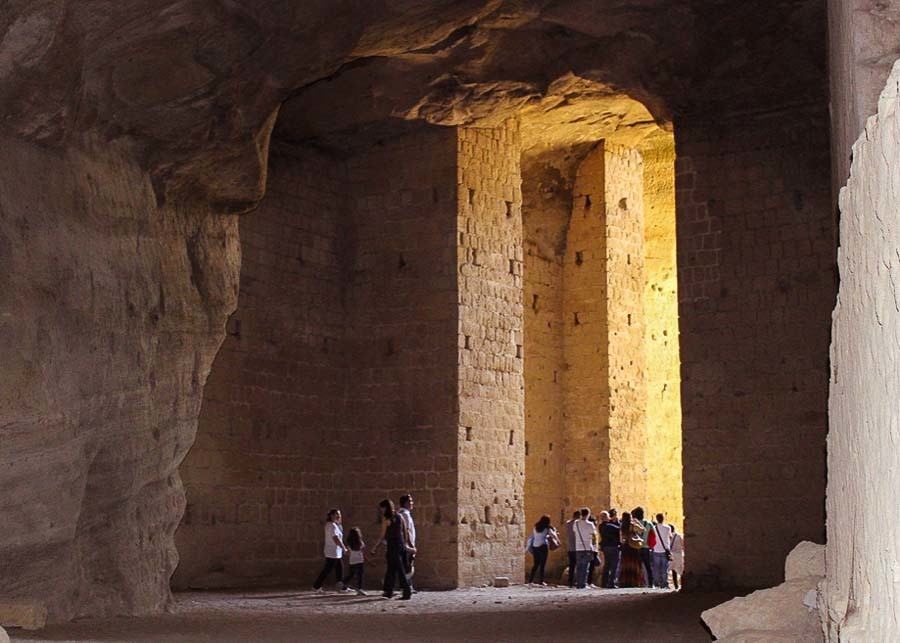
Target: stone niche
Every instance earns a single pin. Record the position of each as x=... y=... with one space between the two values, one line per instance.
x=376 y=349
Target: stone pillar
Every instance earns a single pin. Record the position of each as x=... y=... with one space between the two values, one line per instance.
x=491 y=351
x=605 y=401
x=661 y=329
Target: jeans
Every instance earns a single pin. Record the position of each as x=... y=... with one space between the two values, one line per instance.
x=572 y=568
x=540 y=561
x=330 y=563
x=582 y=562
x=357 y=571
x=660 y=569
x=610 y=567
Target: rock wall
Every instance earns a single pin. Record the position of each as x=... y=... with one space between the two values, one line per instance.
x=491 y=352
x=112 y=311
x=756 y=253
x=859 y=599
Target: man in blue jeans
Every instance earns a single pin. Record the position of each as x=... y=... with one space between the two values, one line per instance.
x=661 y=553
x=610 y=540
x=584 y=537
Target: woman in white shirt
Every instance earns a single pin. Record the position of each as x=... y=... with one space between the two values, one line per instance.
x=539 y=546
x=334 y=549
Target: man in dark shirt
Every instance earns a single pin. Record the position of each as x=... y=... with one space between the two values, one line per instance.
x=610 y=542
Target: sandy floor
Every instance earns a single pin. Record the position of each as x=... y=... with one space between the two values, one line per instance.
x=513 y=614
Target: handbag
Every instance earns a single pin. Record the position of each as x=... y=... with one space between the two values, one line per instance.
x=634 y=538
x=552 y=540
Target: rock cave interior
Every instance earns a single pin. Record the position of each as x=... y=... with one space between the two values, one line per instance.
x=512 y=256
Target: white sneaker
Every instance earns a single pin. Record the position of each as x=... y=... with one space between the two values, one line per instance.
x=343 y=589
x=361 y=592
x=319 y=590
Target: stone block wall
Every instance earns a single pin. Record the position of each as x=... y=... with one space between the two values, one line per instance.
x=491 y=352
x=585 y=290
x=756 y=268
x=661 y=329
x=623 y=215
x=603 y=282
x=267 y=454
x=601 y=333
x=546 y=208
x=401 y=410
x=378 y=342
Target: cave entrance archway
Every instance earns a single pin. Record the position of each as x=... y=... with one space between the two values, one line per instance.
x=389 y=337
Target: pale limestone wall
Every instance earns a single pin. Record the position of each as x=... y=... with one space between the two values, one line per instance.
x=491 y=387
x=756 y=280
x=860 y=597
x=111 y=309
x=273 y=404
x=663 y=363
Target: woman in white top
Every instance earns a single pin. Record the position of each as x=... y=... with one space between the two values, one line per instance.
x=538 y=545
x=334 y=549
x=677 y=549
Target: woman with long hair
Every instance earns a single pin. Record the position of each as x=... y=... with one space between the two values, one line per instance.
x=631 y=567
x=538 y=545
x=396 y=540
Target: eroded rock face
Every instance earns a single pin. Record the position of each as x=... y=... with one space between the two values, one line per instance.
x=112 y=311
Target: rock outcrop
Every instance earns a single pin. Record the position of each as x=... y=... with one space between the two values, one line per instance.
x=783 y=613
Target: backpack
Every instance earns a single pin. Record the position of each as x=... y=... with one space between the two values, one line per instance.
x=651 y=539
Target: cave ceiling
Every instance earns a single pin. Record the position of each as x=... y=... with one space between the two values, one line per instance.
x=195 y=86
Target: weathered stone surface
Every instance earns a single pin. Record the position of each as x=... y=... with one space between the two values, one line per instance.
x=501 y=581
x=112 y=309
x=4 y=637
x=806 y=559
x=861 y=598
x=28 y=616
x=778 y=612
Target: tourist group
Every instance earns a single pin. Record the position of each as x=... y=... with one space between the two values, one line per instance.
x=631 y=552
x=398 y=535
